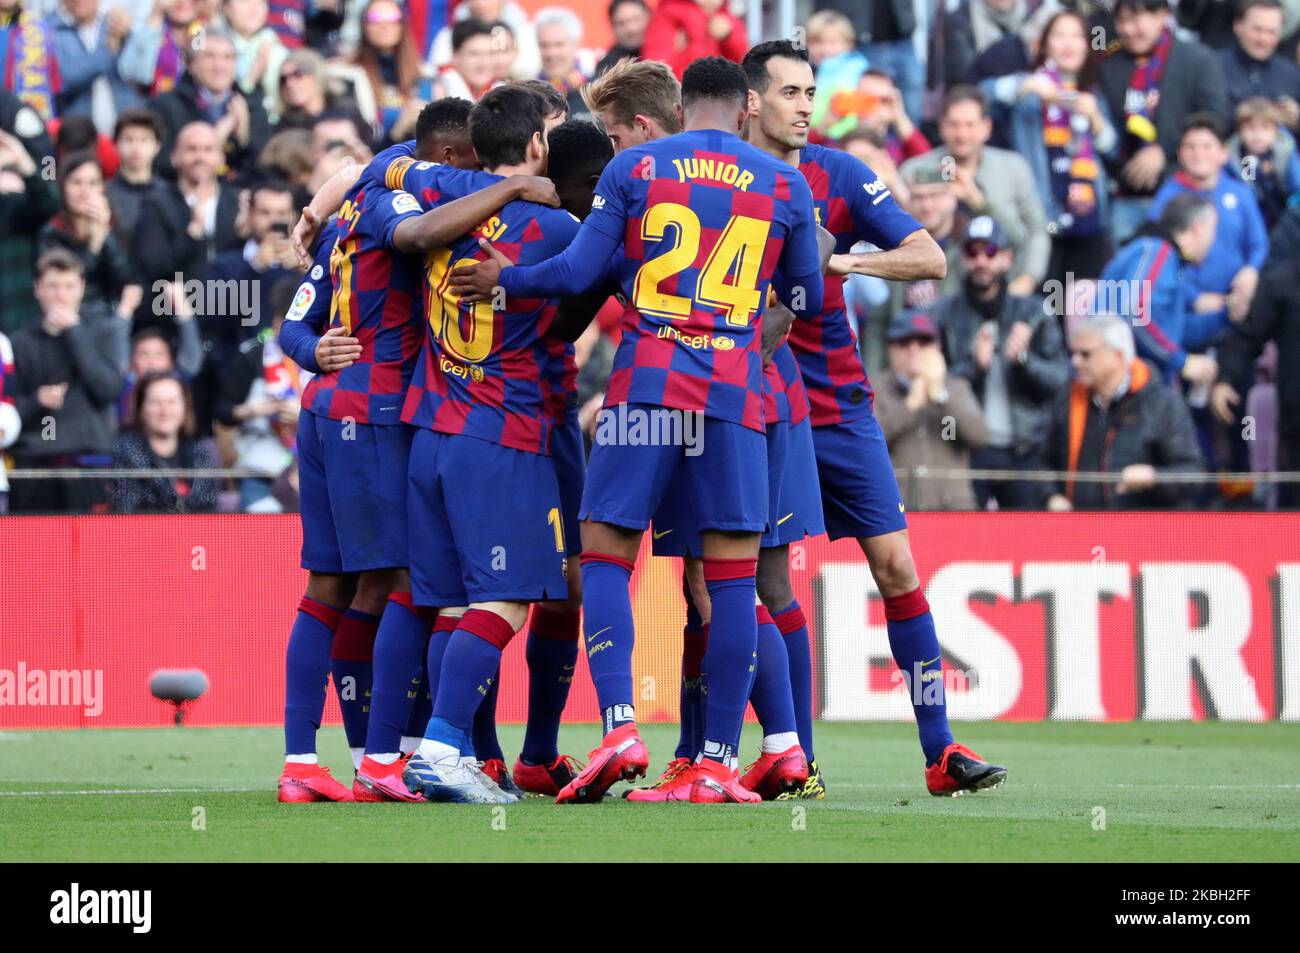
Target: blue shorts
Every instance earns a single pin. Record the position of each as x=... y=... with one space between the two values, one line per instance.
x=860 y=495
x=798 y=511
x=676 y=528
x=485 y=523
x=569 y=454
x=721 y=467
x=352 y=487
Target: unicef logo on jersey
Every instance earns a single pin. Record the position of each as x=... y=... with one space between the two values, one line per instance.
x=721 y=343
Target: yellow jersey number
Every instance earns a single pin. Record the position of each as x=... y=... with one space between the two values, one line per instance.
x=736 y=256
x=444 y=313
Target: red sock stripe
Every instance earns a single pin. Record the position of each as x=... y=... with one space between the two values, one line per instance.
x=446 y=623
x=607 y=558
x=791 y=620
x=718 y=570
x=326 y=615
x=764 y=616
x=555 y=625
x=404 y=600
x=907 y=606
x=354 y=639
x=488 y=626
x=694 y=644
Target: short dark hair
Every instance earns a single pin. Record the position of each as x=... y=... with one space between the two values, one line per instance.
x=502 y=123
x=577 y=149
x=755 y=62
x=466 y=30
x=556 y=102
x=615 y=4
x=442 y=119
x=1247 y=5
x=1202 y=120
x=271 y=184
x=1182 y=212
x=1140 y=6
x=151 y=334
x=360 y=127
x=58 y=259
x=138 y=118
x=76 y=133
x=964 y=93
x=714 y=78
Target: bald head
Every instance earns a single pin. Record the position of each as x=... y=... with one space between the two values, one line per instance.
x=196 y=155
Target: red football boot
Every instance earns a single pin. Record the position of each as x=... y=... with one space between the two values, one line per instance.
x=960 y=770
x=546 y=779
x=621 y=755
x=495 y=769
x=304 y=783
x=715 y=783
x=382 y=782
x=774 y=774
x=669 y=778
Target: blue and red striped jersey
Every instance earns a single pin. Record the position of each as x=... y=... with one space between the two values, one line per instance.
x=784 y=397
x=705 y=219
x=853 y=204
x=560 y=381
x=376 y=299
x=482 y=370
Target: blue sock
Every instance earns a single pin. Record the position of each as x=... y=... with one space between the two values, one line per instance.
x=421 y=705
x=794 y=630
x=690 y=716
x=770 y=695
x=915 y=646
x=483 y=734
x=469 y=665
x=691 y=707
x=552 y=654
x=443 y=627
x=350 y=664
x=607 y=607
x=729 y=658
x=306 y=674
x=398 y=673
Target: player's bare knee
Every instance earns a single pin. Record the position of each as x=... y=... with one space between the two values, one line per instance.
x=331 y=589
x=514 y=613
x=611 y=540
x=894 y=570
x=774 y=578
x=373 y=589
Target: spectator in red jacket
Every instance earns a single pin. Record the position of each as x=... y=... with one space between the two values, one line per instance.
x=683 y=31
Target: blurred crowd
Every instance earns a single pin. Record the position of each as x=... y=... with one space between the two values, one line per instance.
x=1115 y=184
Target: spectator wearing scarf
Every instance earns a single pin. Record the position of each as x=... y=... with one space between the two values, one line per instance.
x=31 y=67
x=1151 y=83
x=1062 y=129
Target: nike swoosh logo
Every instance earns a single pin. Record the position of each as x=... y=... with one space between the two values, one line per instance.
x=784 y=518
x=931 y=661
x=663 y=534
x=569 y=668
x=596 y=635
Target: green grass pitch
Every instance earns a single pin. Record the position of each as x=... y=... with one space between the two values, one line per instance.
x=1169 y=792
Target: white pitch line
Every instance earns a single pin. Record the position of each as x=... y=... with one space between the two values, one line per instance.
x=132 y=791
